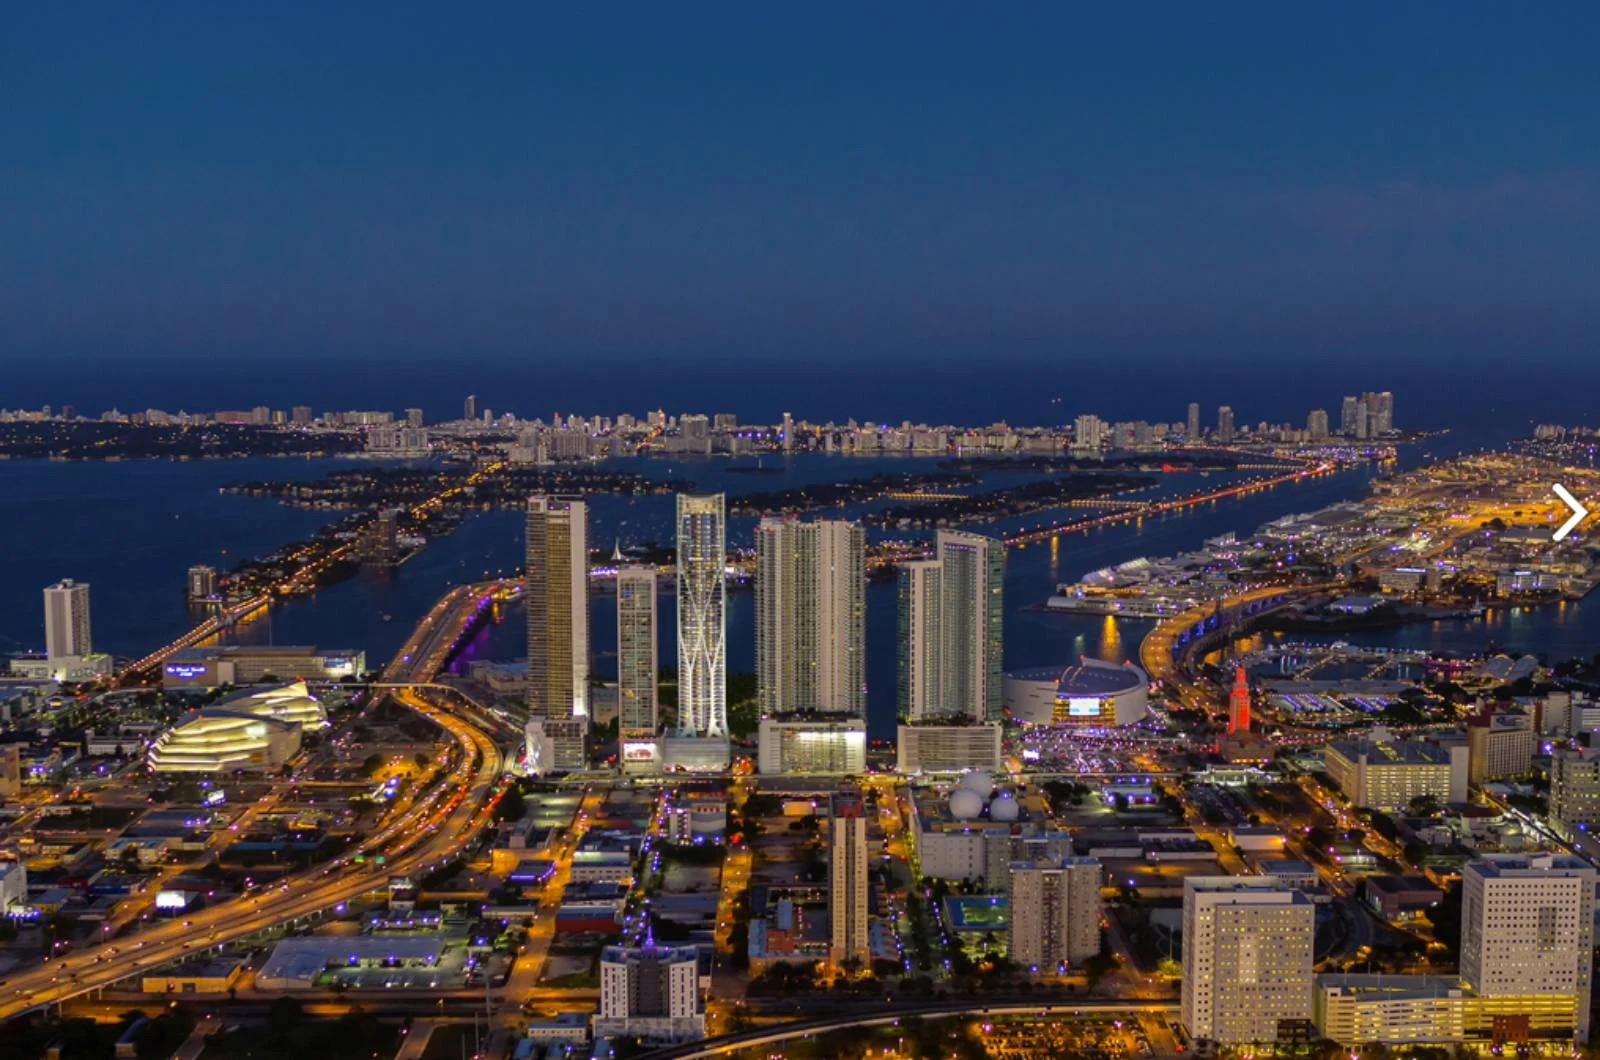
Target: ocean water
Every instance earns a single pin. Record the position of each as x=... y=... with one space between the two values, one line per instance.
x=131 y=529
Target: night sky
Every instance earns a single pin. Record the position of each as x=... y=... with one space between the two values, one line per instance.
x=923 y=185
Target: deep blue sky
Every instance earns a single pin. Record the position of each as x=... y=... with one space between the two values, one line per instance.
x=531 y=191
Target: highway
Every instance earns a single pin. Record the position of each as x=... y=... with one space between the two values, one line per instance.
x=876 y=1017
x=422 y=834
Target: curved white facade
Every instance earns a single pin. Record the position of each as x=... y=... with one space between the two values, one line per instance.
x=1091 y=694
x=292 y=702
x=220 y=741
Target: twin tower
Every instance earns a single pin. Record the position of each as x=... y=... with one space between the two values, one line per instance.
x=810 y=604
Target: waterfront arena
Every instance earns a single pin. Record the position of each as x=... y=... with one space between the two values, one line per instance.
x=1092 y=694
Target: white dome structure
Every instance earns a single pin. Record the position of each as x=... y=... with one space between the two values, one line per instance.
x=1005 y=807
x=978 y=780
x=966 y=804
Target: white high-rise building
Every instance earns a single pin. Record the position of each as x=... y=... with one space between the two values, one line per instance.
x=1088 y=433
x=1527 y=927
x=847 y=873
x=66 y=620
x=811 y=616
x=919 y=595
x=650 y=992
x=1191 y=427
x=1247 y=955
x=1055 y=913
x=557 y=598
x=971 y=590
x=638 y=662
x=1317 y=425
x=702 y=616
x=951 y=629
x=788 y=433
x=1347 y=416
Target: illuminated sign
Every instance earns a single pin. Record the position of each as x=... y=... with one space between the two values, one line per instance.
x=186 y=671
x=216 y=796
x=171 y=900
x=641 y=751
x=1083 y=707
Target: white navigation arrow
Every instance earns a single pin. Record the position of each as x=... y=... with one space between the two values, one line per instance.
x=1579 y=512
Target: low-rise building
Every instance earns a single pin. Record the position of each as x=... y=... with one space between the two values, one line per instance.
x=935 y=748
x=221 y=741
x=1383 y=774
x=1400 y=897
x=205 y=668
x=1500 y=743
x=812 y=745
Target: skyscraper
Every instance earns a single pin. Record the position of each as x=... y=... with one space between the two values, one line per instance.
x=952 y=629
x=1191 y=429
x=1317 y=425
x=811 y=616
x=1055 y=912
x=413 y=417
x=558 y=627
x=702 y=616
x=469 y=408
x=847 y=871
x=1225 y=424
x=919 y=615
x=66 y=620
x=972 y=588
x=637 y=661
x=1347 y=416
x=1527 y=928
x=788 y=433
x=1247 y=945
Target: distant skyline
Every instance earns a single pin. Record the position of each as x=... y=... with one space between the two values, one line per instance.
x=530 y=194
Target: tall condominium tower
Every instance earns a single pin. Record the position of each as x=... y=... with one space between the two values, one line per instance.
x=1225 y=424
x=971 y=588
x=919 y=640
x=951 y=625
x=788 y=433
x=1191 y=428
x=847 y=869
x=811 y=616
x=1527 y=928
x=1347 y=416
x=1055 y=912
x=1317 y=425
x=637 y=660
x=1247 y=944
x=558 y=626
x=702 y=616
x=66 y=620
x=469 y=408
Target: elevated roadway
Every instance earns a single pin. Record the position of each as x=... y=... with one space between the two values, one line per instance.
x=430 y=830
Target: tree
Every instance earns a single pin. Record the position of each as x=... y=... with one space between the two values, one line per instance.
x=1424 y=806
x=512 y=806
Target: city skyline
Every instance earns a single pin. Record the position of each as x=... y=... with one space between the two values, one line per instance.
x=895 y=531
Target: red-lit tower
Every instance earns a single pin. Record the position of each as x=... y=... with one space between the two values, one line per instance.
x=1239 y=704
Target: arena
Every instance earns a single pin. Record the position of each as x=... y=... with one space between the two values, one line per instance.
x=1091 y=694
